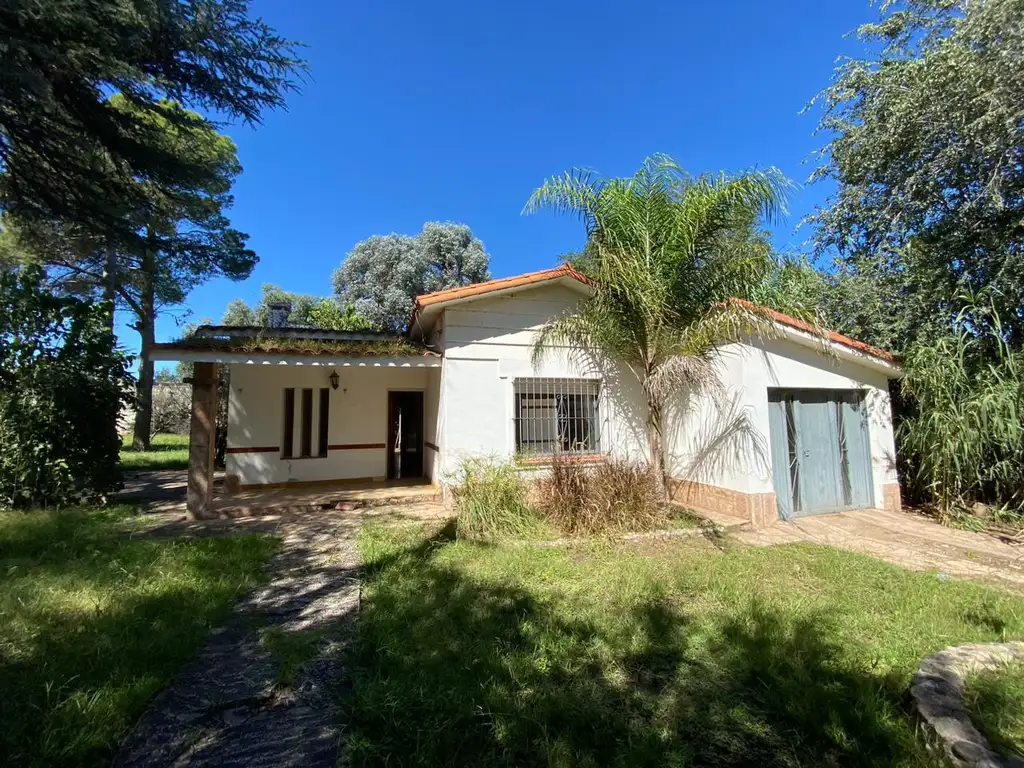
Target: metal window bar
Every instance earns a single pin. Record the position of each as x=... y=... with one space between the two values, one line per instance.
x=794 y=460
x=555 y=416
x=844 y=448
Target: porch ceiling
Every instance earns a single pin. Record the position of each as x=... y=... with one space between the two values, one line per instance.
x=244 y=345
x=171 y=353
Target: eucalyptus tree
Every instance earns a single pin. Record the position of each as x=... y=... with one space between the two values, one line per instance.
x=667 y=252
x=383 y=274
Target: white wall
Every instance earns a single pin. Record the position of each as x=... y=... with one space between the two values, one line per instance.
x=488 y=343
x=358 y=415
x=431 y=416
x=734 y=419
x=468 y=402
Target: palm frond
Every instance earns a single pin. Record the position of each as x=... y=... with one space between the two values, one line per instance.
x=667 y=252
x=575 y=192
x=723 y=324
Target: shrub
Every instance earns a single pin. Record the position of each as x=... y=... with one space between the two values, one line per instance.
x=172 y=408
x=615 y=495
x=62 y=385
x=491 y=501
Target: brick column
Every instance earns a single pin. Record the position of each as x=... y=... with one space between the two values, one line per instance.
x=201 y=441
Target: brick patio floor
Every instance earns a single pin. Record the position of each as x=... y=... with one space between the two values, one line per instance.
x=906 y=539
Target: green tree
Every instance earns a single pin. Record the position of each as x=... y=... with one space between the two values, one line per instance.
x=184 y=239
x=383 y=274
x=62 y=385
x=796 y=286
x=667 y=253
x=307 y=311
x=69 y=153
x=928 y=155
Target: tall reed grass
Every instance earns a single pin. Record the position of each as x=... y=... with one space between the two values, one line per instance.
x=964 y=440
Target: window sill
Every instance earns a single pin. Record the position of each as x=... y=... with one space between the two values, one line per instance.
x=547 y=461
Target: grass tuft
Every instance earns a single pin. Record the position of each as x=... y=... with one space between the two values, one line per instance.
x=93 y=623
x=491 y=501
x=293 y=649
x=995 y=702
x=613 y=496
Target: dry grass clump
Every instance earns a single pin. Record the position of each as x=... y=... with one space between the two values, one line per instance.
x=612 y=496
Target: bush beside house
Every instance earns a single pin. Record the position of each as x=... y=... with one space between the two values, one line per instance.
x=62 y=385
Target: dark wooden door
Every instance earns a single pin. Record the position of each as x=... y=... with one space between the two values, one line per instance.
x=405 y=435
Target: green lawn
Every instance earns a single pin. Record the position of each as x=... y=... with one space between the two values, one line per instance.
x=92 y=624
x=662 y=654
x=995 y=701
x=165 y=452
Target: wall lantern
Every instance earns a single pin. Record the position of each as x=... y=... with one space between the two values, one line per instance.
x=334 y=378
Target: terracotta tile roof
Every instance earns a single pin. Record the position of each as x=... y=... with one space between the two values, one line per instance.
x=802 y=325
x=566 y=270
x=502 y=284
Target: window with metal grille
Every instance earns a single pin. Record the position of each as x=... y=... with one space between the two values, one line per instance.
x=554 y=416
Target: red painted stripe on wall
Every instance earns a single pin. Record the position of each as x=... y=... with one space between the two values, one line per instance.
x=356 y=446
x=255 y=449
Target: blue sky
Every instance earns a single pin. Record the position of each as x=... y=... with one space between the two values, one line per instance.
x=457 y=109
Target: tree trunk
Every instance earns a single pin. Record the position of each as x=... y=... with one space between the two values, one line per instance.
x=110 y=296
x=110 y=284
x=656 y=445
x=147 y=331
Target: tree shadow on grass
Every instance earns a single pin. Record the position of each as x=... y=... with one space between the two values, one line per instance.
x=457 y=670
x=92 y=624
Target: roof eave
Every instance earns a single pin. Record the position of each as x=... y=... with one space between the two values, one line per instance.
x=887 y=364
x=431 y=306
x=169 y=353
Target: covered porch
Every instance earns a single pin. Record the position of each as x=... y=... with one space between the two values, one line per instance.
x=313 y=418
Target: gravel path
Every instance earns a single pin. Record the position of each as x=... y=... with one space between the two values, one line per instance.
x=234 y=704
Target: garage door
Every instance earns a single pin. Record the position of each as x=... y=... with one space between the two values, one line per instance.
x=821 y=460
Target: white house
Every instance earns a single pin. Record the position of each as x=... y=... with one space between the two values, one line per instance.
x=800 y=425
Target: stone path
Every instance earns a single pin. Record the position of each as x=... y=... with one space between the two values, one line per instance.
x=230 y=706
x=906 y=539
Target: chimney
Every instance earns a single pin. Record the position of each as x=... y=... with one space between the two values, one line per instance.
x=279 y=311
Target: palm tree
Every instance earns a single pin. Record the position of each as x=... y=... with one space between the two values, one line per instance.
x=667 y=253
